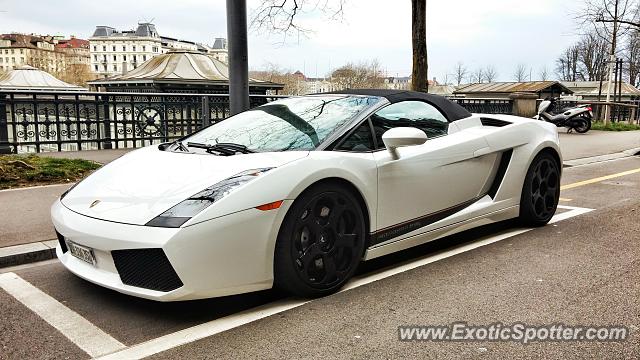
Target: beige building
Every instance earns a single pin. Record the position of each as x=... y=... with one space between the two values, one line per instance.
x=19 y=49
x=115 y=52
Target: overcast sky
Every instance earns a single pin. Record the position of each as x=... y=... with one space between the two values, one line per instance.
x=502 y=33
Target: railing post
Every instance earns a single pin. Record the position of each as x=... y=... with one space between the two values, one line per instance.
x=106 y=143
x=5 y=148
x=206 y=112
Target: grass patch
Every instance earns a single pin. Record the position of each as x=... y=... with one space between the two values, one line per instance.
x=31 y=170
x=616 y=126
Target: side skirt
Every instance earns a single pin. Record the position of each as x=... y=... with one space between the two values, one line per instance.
x=419 y=239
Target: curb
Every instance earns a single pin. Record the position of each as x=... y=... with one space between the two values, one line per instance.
x=27 y=253
x=602 y=158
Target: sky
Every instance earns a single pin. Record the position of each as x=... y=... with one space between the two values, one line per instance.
x=478 y=33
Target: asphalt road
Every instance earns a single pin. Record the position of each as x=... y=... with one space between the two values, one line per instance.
x=584 y=270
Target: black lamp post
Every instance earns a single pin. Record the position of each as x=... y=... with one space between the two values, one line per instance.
x=238 y=56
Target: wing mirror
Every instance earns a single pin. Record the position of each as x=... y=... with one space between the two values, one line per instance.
x=402 y=136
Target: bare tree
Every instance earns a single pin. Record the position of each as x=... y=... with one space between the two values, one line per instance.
x=293 y=84
x=477 y=76
x=592 y=55
x=358 y=76
x=543 y=74
x=281 y=17
x=490 y=73
x=567 y=64
x=631 y=58
x=520 y=73
x=460 y=73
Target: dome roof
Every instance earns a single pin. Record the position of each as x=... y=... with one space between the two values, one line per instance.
x=29 y=78
x=179 y=65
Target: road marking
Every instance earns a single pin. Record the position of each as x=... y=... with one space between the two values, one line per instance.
x=77 y=329
x=217 y=326
x=596 y=180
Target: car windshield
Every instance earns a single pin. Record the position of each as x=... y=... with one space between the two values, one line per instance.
x=301 y=123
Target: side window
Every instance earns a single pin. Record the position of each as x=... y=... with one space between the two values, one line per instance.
x=361 y=140
x=415 y=114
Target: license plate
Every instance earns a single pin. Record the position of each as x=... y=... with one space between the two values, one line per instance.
x=83 y=253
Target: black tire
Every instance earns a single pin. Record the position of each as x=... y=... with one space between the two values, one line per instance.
x=541 y=191
x=582 y=125
x=321 y=241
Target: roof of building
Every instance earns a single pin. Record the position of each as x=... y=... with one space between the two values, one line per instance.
x=23 y=40
x=143 y=30
x=442 y=89
x=592 y=88
x=179 y=66
x=219 y=44
x=512 y=87
x=451 y=110
x=73 y=43
x=30 y=78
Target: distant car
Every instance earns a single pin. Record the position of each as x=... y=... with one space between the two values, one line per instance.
x=297 y=192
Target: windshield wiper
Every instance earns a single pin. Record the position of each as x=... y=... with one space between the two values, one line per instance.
x=178 y=146
x=222 y=148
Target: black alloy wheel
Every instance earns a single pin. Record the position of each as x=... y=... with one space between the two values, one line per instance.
x=541 y=191
x=321 y=242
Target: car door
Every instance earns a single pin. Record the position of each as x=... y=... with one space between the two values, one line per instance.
x=428 y=182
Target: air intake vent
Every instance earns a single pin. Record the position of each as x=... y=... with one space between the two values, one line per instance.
x=494 y=122
x=146 y=268
x=63 y=244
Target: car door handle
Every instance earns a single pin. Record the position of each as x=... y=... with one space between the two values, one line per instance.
x=481 y=152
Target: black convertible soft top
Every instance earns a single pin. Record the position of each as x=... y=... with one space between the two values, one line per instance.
x=451 y=110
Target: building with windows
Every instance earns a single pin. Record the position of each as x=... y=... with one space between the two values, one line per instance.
x=20 y=49
x=116 y=52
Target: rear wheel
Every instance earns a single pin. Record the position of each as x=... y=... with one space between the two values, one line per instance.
x=582 y=125
x=541 y=191
x=321 y=242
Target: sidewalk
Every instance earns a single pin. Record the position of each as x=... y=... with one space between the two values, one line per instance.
x=24 y=215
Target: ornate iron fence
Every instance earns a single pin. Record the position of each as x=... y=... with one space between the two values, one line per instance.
x=48 y=121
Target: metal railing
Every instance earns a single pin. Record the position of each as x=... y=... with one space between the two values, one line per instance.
x=618 y=111
x=37 y=121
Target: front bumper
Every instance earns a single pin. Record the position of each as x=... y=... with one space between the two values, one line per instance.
x=228 y=255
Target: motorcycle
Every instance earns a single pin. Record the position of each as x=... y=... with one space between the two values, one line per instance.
x=577 y=118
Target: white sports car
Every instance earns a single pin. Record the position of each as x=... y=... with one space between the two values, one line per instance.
x=296 y=193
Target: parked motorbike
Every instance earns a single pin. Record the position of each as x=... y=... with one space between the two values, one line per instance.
x=577 y=118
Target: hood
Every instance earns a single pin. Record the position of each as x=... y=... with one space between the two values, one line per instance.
x=144 y=183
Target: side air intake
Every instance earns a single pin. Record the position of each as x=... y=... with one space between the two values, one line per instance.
x=494 y=122
x=505 y=159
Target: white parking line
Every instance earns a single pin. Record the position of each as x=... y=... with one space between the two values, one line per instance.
x=217 y=326
x=77 y=329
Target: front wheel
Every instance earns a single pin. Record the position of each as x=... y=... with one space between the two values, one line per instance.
x=541 y=191
x=321 y=242
x=582 y=125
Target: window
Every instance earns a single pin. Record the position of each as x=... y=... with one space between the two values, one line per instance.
x=115 y=58
x=144 y=57
x=104 y=57
x=95 y=48
x=144 y=48
x=288 y=124
x=360 y=140
x=0 y=60
x=95 y=57
x=104 y=47
x=124 y=48
x=115 y=67
x=134 y=48
x=21 y=51
x=124 y=57
x=95 y=67
x=114 y=48
x=416 y=114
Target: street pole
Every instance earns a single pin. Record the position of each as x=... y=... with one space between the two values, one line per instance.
x=238 y=56
x=612 y=58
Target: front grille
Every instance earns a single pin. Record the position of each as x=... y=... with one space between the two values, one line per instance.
x=146 y=268
x=63 y=244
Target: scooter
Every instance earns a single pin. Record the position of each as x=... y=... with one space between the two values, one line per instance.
x=577 y=118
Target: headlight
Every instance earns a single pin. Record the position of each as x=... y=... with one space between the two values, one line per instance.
x=180 y=213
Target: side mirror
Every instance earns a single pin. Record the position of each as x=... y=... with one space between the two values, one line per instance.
x=402 y=136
